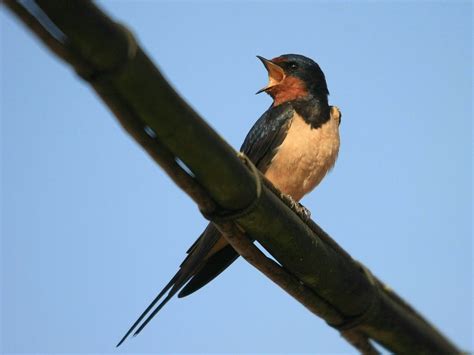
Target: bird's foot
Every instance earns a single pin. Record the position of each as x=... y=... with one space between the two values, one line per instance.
x=301 y=210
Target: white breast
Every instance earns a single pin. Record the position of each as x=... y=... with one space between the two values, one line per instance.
x=305 y=156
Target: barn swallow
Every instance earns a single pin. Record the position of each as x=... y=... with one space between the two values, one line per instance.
x=294 y=144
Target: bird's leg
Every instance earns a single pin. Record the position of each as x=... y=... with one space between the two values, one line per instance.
x=301 y=210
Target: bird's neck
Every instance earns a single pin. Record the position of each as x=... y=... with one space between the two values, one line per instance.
x=314 y=109
x=292 y=88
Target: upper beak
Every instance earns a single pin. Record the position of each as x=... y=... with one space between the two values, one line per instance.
x=276 y=74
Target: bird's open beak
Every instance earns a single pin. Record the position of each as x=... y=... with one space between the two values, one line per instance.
x=276 y=74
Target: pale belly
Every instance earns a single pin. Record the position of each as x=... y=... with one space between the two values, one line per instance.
x=305 y=156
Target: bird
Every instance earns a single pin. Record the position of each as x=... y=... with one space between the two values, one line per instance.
x=294 y=144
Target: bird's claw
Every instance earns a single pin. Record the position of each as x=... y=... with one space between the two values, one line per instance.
x=301 y=210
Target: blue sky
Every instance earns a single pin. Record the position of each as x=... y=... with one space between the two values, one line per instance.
x=92 y=228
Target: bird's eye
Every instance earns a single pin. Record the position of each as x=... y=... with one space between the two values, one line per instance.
x=293 y=66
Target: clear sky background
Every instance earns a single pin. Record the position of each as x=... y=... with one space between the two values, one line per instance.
x=92 y=228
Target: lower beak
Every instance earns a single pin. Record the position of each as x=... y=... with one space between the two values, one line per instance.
x=276 y=74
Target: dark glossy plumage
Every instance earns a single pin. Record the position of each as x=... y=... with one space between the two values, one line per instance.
x=266 y=135
x=307 y=70
x=259 y=145
x=203 y=263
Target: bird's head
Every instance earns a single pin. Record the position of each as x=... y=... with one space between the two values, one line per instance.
x=292 y=77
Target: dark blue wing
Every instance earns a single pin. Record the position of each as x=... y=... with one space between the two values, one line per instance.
x=266 y=135
x=260 y=146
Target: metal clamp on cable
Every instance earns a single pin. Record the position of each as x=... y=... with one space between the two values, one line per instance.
x=220 y=215
x=353 y=322
x=95 y=76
